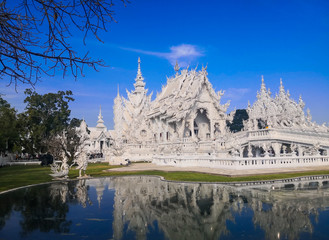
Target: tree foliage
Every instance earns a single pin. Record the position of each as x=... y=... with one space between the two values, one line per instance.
x=35 y=34
x=45 y=126
x=45 y=116
x=9 y=135
x=237 y=123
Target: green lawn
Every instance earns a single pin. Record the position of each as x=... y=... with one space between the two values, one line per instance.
x=17 y=176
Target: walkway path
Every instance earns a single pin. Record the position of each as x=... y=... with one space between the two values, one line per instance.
x=225 y=172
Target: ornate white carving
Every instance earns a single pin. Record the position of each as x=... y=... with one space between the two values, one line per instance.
x=60 y=171
x=280 y=112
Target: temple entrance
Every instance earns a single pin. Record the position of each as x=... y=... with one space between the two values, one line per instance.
x=202 y=125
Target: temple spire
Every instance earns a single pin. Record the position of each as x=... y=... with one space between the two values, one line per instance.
x=100 y=112
x=100 y=122
x=281 y=91
x=263 y=87
x=139 y=73
x=139 y=84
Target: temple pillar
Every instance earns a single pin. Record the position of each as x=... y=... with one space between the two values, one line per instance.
x=211 y=128
x=159 y=130
x=192 y=128
x=300 y=150
x=250 y=151
x=241 y=152
x=181 y=129
x=166 y=131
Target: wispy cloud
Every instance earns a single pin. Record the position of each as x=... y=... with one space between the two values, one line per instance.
x=235 y=93
x=184 y=54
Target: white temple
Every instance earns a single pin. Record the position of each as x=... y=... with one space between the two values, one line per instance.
x=186 y=125
x=100 y=137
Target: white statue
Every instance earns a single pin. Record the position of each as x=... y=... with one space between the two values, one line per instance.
x=82 y=162
x=60 y=172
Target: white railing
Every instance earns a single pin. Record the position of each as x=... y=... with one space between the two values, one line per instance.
x=241 y=163
x=291 y=135
x=259 y=133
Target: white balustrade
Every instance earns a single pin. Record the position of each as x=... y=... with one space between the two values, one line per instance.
x=241 y=163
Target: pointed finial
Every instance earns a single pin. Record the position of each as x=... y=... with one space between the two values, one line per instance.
x=100 y=121
x=139 y=66
x=118 y=91
x=204 y=68
x=281 y=87
x=139 y=78
x=262 y=87
x=100 y=112
x=176 y=68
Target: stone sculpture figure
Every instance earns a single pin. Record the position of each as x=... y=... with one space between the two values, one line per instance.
x=60 y=172
x=294 y=148
x=82 y=162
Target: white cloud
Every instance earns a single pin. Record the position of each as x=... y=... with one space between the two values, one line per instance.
x=235 y=93
x=184 y=54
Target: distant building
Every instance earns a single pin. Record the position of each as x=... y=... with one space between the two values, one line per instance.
x=100 y=137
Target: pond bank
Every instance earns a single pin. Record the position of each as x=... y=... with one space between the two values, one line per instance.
x=136 y=167
x=12 y=177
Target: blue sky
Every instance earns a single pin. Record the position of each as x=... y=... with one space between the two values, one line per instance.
x=238 y=40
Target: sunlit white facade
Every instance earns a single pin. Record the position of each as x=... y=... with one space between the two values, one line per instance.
x=186 y=125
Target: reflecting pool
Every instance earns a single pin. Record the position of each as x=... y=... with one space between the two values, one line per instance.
x=150 y=208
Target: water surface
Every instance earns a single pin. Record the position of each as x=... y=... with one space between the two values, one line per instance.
x=149 y=208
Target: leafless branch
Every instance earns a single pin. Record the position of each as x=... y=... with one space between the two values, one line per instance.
x=35 y=34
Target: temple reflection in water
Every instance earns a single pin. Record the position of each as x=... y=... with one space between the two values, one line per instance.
x=145 y=207
x=202 y=211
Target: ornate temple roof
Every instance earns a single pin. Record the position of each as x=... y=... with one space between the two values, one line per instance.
x=264 y=105
x=280 y=109
x=181 y=92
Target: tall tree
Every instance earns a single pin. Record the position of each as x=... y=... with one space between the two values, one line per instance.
x=9 y=135
x=45 y=116
x=70 y=141
x=35 y=36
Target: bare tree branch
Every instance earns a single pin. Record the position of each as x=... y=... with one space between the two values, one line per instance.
x=35 y=34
